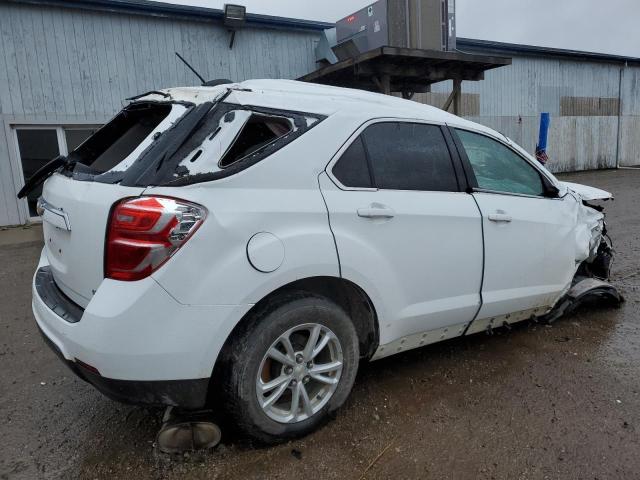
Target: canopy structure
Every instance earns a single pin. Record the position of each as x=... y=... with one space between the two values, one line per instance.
x=407 y=70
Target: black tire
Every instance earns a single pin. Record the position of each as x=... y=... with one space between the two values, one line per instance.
x=243 y=356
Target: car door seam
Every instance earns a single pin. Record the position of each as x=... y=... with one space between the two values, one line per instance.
x=335 y=243
x=484 y=257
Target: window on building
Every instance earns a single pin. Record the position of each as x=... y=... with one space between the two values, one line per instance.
x=498 y=168
x=75 y=136
x=410 y=156
x=37 y=147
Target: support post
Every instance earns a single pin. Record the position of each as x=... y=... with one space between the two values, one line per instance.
x=457 y=99
x=385 y=80
x=454 y=97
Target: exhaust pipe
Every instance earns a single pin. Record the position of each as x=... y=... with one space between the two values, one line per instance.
x=187 y=432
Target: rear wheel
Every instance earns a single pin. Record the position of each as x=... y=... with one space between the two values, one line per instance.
x=291 y=368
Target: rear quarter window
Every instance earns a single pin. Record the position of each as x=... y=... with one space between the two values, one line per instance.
x=257 y=132
x=352 y=169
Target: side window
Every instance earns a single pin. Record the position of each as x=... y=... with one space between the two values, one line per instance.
x=410 y=156
x=352 y=169
x=498 y=168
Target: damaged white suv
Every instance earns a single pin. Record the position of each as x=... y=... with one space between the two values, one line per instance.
x=252 y=242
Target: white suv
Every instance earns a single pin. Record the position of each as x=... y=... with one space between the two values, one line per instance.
x=253 y=241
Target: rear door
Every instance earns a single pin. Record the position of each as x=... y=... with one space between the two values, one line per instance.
x=405 y=231
x=529 y=255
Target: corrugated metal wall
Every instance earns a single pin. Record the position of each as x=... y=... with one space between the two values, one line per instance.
x=583 y=99
x=72 y=66
x=65 y=65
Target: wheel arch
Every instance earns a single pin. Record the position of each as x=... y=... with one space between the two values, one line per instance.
x=349 y=296
x=345 y=293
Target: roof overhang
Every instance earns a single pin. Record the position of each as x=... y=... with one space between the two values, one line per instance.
x=185 y=12
x=405 y=69
x=500 y=48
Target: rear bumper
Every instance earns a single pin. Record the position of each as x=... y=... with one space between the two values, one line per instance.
x=147 y=347
x=188 y=394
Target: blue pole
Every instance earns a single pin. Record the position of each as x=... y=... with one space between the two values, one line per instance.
x=545 y=120
x=541 y=148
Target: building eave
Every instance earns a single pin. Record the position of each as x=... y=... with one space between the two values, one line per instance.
x=488 y=46
x=187 y=12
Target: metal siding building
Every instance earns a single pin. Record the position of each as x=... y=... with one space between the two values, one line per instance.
x=65 y=67
x=594 y=102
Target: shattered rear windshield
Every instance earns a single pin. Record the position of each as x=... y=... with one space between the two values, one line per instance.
x=162 y=143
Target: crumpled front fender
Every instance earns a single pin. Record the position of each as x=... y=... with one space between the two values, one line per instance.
x=586 y=192
x=588 y=232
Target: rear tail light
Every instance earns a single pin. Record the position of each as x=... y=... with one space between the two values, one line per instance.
x=145 y=232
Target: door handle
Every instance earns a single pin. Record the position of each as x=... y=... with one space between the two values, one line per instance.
x=55 y=216
x=499 y=217
x=376 y=211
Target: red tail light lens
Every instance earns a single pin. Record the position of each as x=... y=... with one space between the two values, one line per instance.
x=145 y=232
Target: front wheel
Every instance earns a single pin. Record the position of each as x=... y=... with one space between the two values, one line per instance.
x=291 y=369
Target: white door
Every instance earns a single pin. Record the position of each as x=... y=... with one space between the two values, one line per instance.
x=529 y=249
x=405 y=231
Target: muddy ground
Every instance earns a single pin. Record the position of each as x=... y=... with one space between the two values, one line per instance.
x=537 y=402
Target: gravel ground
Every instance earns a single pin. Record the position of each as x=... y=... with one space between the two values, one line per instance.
x=560 y=401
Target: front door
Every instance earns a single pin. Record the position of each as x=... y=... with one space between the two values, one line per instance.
x=406 y=232
x=529 y=249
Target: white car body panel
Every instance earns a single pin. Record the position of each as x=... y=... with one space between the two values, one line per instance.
x=137 y=331
x=529 y=260
x=279 y=196
x=425 y=263
x=422 y=269
x=76 y=255
x=199 y=274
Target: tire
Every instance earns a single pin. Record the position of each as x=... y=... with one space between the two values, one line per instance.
x=247 y=355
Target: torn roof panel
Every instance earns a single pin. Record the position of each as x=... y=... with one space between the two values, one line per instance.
x=312 y=98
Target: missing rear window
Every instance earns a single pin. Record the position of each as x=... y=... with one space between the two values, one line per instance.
x=155 y=143
x=123 y=135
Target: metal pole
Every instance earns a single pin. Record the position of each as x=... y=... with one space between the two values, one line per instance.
x=541 y=147
x=544 y=131
x=619 y=135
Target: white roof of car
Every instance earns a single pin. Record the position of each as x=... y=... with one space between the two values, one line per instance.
x=327 y=100
x=315 y=98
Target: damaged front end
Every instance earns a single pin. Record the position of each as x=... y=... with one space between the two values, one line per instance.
x=594 y=255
